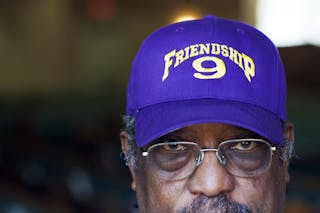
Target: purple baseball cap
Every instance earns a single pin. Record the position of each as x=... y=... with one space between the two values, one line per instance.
x=211 y=70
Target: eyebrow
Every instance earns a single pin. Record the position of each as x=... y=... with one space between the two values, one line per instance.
x=169 y=136
x=241 y=133
x=247 y=134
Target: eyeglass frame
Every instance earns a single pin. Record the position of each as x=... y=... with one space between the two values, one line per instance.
x=202 y=151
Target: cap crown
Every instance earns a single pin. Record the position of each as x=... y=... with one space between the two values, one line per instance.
x=209 y=58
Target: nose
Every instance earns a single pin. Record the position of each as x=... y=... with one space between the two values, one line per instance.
x=210 y=178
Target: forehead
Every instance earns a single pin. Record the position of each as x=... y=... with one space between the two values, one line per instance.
x=216 y=132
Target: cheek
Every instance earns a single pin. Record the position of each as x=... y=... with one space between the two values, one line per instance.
x=263 y=194
x=252 y=191
x=156 y=195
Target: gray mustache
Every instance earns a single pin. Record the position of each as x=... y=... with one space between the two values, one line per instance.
x=218 y=204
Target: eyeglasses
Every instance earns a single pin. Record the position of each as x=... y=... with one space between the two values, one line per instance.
x=240 y=157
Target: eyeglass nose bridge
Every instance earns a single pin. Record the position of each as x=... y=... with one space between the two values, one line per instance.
x=221 y=158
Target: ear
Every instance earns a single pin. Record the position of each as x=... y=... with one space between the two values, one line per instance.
x=124 y=137
x=288 y=133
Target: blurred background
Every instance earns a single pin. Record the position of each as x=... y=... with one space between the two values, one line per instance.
x=64 y=66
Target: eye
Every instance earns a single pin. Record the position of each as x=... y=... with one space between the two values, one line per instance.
x=174 y=147
x=245 y=146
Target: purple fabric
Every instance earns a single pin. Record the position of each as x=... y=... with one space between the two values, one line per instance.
x=162 y=118
x=228 y=72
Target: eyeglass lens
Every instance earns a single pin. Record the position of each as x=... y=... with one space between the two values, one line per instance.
x=177 y=160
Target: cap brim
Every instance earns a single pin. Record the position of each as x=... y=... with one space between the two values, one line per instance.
x=160 y=119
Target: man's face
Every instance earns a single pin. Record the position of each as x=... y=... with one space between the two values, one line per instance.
x=210 y=188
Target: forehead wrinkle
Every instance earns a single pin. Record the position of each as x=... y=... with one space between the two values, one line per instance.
x=211 y=134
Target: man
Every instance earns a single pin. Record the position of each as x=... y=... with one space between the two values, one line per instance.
x=206 y=128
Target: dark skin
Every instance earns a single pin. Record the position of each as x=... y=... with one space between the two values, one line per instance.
x=264 y=193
